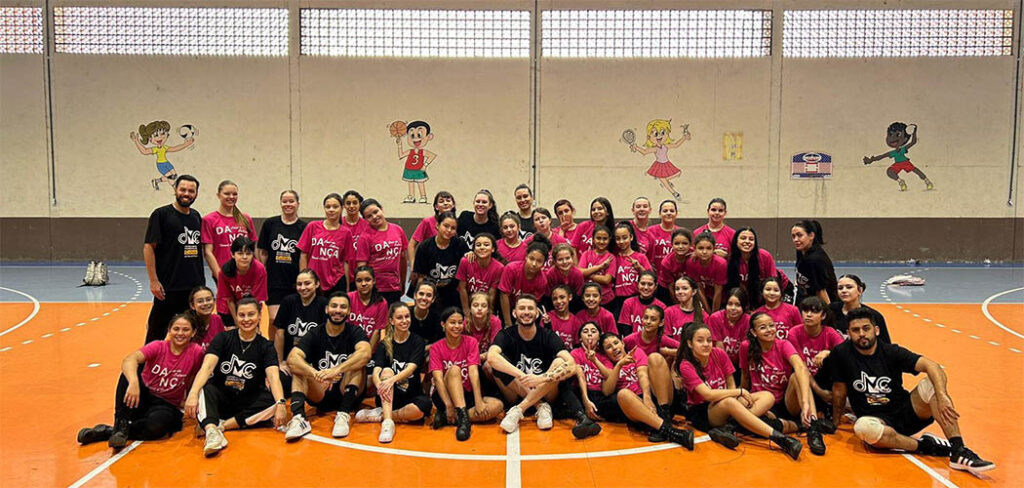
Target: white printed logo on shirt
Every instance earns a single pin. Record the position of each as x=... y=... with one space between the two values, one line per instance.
x=443 y=273
x=188 y=236
x=284 y=244
x=331 y=360
x=299 y=328
x=529 y=365
x=237 y=367
x=876 y=388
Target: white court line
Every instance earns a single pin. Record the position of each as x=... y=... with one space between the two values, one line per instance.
x=35 y=309
x=513 y=472
x=931 y=472
x=106 y=464
x=984 y=310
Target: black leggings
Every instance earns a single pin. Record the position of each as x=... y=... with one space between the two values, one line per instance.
x=174 y=302
x=216 y=404
x=154 y=418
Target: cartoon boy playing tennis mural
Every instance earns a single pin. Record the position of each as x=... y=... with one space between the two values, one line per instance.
x=416 y=158
x=658 y=143
x=151 y=139
x=897 y=138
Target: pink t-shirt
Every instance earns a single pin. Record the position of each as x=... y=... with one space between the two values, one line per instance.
x=384 y=251
x=642 y=241
x=636 y=340
x=774 y=370
x=659 y=244
x=168 y=376
x=254 y=283
x=216 y=326
x=590 y=259
x=515 y=283
x=512 y=254
x=707 y=276
x=483 y=339
x=591 y=373
x=719 y=368
x=574 y=279
x=723 y=238
x=477 y=278
x=785 y=316
x=583 y=238
x=555 y=240
x=221 y=231
x=367 y=317
x=426 y=229
x=565 y=329
x=629 y=376
x=605 y=320
x=632 y=312
x=676 y=318
x=729 y=335
x=463 y=356
x=765 y=266
x=670 y=270
x=327 y=250
x=626 y=276
x=357 y=230
x=569 y=236
x=808 y=346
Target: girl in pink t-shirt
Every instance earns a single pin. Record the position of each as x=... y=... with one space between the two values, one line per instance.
x=716 y=226
x=638 y=385
x=482 y=324
x=565 y=272
x=542 y=225
x=590 y=372
x=815 y=339
x=369 y=308
x=326 y=246
x=202 y=304
x=566 y=215
x=659 y=237
x=629 y=263
x=729 y=326
x=356 y=225
x=651 y=338
x=524 y=277
x=444 y=201
x=241 y=275
x=481 y=273
x=674 y=264
x=149 y=410
x=221 y=227
x=631 y=315
x=784 y=315
x=748 y=265
x=382 y=247
x=641 y=222
x=455 y=370
x=713 y=398
x=773 y=365
x=677 y=316
x=708 y=269
x=593 y=312
x=511 y=247
x=565 y=325
x=598 y=264
x=601 y=214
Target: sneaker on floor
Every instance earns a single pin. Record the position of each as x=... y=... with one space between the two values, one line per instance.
x=585 y=427
x=200 y=432
x=545 y=420
x=98 y=433
x=341 y=420
x=933 y=445
x=387 y=431
x=815 y=442
x=370 y=415
x=510 y=423
x=825 y=426
x=724 y=437
x=440 y=418
x=297 y=427
x=119 y=436
x=215 y=442
x=965 y=459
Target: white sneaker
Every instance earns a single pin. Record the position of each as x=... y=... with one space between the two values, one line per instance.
x=215 y=441
x=297 y=427
x=200 y=432
x=370 y=415
x=90 y=273
x=545 y=420
x=340 y=424
x=387 y=431
x=510 y=423
x=104 y=274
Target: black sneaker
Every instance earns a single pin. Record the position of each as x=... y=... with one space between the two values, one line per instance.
x=825 y=426
x=772 y=422
x=119 y=437
x=585 y=428
x=679 y=436
x=464 y=426
x=440 y=418
x=815 y=442
x=724 y=436
x=99 y=433
x=789 y=445
x=932 y=445
x=966 y=460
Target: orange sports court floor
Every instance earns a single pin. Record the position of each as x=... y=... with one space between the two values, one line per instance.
x=60 y=358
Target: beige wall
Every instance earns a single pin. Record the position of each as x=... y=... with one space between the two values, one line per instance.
x=24 y=165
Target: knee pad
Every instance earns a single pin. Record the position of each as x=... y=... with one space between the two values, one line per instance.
x=926 y=389
x=869 y=429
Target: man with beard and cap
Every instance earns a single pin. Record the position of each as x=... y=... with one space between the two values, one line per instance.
x=173 y=255
x=543 y=371
x=328 y=369
x=887 y=415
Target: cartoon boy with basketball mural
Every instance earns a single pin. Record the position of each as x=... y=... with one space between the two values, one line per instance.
x=658 y=143
x=897 y=137
x=416 y=158
x=151 y=139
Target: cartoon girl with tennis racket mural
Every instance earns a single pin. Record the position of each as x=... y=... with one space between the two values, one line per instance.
x=152 y=139
x=658 y=143
x=416 y=158
x=900 y=137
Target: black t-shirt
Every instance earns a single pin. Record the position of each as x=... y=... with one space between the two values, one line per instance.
x=409 y=352
x=526 y=227
x=468 y=228
x=842 y=324
x=874 y=384
x=242 y=366
x=280 y=241
x=429 y=328
x=533 y=356
x=296 y=319
x=179 y=255
x=440 y=266
x=323 y=351
x=814 y=272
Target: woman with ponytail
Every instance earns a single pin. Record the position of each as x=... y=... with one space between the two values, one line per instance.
x=240 y=276
x=748 y=265
x=222 y=226
x=815 y=275
x=524 y=277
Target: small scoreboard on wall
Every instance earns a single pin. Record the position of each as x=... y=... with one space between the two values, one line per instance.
x=811 y=165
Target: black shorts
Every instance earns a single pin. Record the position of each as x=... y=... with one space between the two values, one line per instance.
x=905 y=421
x=698 y=416
x=607 y=406
x=401 y=398
x=781 y=412
x=275 y=295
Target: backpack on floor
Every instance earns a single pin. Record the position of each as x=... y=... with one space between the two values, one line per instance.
x=96 y=274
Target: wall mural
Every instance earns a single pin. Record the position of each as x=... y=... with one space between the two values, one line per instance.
x=901 y=137
x=152 y=139
x=658 y=143
x=418 y=134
